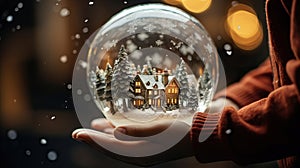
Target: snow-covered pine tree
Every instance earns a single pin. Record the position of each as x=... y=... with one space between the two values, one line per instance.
x=205 y=86
x=100 y=84
x=108 y=93
x=122 y=78
x=193 y=98
x=182 y=77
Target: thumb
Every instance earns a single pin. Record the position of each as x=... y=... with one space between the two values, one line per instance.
x=137 y=132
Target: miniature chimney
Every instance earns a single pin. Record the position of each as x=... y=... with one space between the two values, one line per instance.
x=165 y=77
x=138 y=71
x=156 y=77
x=155 y=74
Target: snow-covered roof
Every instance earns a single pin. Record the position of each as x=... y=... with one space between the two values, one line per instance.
x=149 y=81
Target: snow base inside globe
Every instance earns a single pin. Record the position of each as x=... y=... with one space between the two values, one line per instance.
x=144 y=69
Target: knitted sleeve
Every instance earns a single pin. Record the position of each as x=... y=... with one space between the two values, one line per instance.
x=265 y=130
x=253 y=86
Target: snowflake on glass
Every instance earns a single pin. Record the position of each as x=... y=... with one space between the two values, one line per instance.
x=131 y=29
x=149 y=27
x=130 y=46
x=198 y=37
x=186 y=49
x=137 y=22
x=142 y=36
x=192 y=40
x=168 y=24
x=209 y=48
x=110 y=44
x=159 y=42
x=184 y=26
x=175 y=30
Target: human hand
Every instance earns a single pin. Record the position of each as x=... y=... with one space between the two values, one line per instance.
x=218 y=105
x=139 y=144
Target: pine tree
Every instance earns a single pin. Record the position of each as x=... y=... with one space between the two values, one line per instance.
x=193 y=98
x=100 y=84
x=122 y=78
x=108 y=93
x=182 y=77
x=205 y=86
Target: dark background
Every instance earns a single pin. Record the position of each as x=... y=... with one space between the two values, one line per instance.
x=35 y=97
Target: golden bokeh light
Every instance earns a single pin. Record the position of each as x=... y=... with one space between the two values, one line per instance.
x=244 y=27
x=243 y=23
x=196 y=6
x=173 y=2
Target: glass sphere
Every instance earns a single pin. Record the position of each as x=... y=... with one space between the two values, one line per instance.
x=152 y=62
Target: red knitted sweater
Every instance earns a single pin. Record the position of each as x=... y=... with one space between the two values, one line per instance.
x=267 y=127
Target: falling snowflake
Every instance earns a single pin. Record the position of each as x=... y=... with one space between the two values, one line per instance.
x=136 y=55
x=137 y=22
x=82 y=63
x=168 y=24
x=159 y=42
x=178 y=45
x=64 y=12
x=198 y=37
x=209 y=48
x=173 y=42
x=110 y=44
x=143 y=36
x=130 y=46
x=9 y=18
x=149 y=27
x=157 y=58
x=184 y=26
x=191 y=40
x=168 y=62
x=186 y=49
x=131 y=29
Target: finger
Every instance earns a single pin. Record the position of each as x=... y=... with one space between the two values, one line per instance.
x=136 y=132
x=132 y=152
x=101 y=124
x=108 y=143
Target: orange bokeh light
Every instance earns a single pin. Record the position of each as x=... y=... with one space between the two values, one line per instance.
x=244 y=27
x=196 y=6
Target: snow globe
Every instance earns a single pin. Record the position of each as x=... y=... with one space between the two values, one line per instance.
x=151 y=62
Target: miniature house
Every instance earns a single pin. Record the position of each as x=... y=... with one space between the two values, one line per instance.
x=158 y=90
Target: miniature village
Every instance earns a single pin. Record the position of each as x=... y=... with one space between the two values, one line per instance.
x=125 y=87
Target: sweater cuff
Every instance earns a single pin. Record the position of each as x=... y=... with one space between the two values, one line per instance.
x=206 y=138
x=239 y=94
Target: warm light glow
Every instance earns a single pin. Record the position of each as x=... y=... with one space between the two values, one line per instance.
x=243 y=23
x=244 y=27
x=196 y=6
x=173 y=2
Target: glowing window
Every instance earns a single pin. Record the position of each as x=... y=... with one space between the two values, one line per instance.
x=137 y=83
x=150 y=92
x=137 y=90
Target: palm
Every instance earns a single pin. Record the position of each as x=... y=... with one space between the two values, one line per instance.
x=140 y=145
